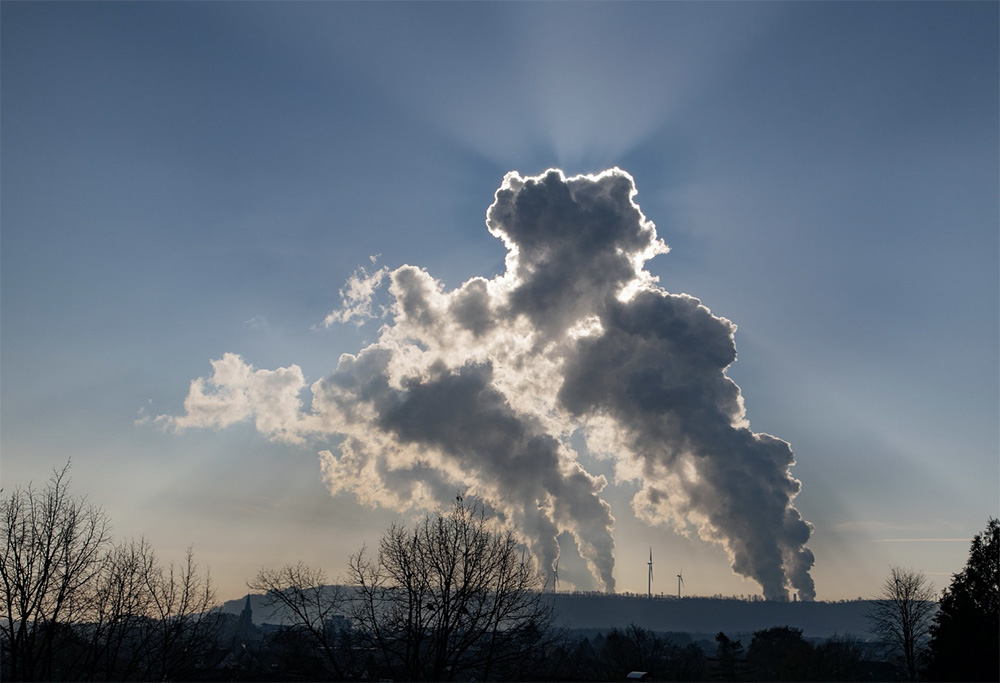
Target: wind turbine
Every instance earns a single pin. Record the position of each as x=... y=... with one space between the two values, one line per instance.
x=680 y=582
x=649 y=580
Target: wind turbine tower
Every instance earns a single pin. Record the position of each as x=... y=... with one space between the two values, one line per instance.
x=649 y=579
x=680 y=582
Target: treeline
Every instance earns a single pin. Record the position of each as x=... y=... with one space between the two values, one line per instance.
x=451 y=598
x=79 y=606
x=779 y=654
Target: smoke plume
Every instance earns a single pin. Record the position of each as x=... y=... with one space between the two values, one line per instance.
x=479 y=388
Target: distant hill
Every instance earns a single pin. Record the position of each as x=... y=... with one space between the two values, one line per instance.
x=710 y=615
x=665 y=614
x=261 y=613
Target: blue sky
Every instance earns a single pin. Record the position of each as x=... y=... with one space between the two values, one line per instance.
x=184 y=180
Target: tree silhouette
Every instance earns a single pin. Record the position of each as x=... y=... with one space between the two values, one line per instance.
x=965 y=645
x=450 y=597
x=901 y=616
x=729 y=654
x=635 y=649
x=51 y=557
x=840 y=658
x=315 y=608
x=76 y=607
x=780 y=653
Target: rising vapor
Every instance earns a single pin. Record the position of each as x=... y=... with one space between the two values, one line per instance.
x=479 y=388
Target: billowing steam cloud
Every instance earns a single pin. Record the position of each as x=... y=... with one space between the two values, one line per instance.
x=480 y=387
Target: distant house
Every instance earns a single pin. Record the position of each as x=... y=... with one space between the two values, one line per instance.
x=637 y=676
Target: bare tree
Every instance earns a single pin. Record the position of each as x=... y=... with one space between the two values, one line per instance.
x=186 y=621
x=51 y=557
x=901 y=616
x=635 y=648
x=301 y=593
x=74 y=606
x=117 y=626
x=840 y=658
x=450 y=597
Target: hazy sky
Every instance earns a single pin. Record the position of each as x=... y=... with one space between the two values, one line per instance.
x=181 y=181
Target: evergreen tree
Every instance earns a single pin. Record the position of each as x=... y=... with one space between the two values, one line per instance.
x=965 y=644
x=729 y=654
x=780 y=654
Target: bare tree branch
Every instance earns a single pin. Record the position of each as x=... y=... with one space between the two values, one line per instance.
x=51 y=556
x=448 y=598
x=302 y=593
x=901 y=616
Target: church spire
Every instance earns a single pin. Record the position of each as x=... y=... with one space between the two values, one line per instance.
x=246 y=616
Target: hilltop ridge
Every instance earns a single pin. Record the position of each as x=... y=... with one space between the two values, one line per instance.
x=670 y=614
x=710 y=615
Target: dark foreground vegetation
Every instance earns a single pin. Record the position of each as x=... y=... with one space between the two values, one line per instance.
x=450 y=599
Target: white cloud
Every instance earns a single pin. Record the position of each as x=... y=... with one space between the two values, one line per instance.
x=356 y=297
x=236 y=392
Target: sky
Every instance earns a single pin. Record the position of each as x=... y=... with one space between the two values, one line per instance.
x=189 y=190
